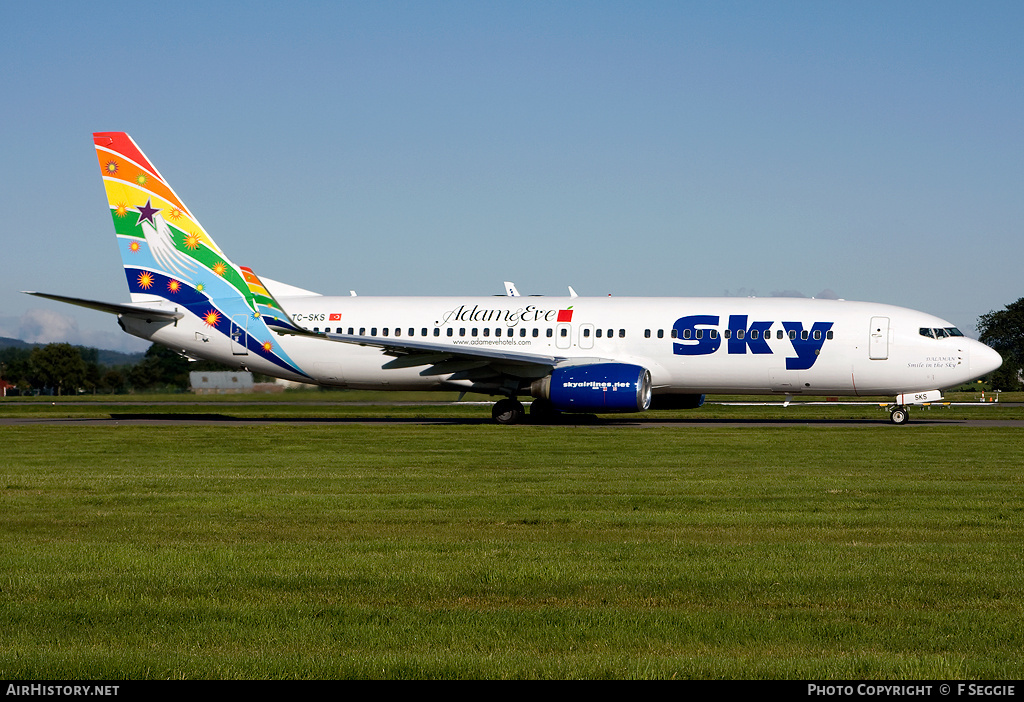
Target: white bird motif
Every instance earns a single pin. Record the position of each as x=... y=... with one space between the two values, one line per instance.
x=161 y=243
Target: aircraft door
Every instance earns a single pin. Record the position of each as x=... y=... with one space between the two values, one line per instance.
x=781 y=380
x=563 y=336
x=237 y=334
x=878 y=342
x=586 y=336
x=327 y=373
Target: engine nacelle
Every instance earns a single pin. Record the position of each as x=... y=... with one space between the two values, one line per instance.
x=664 y=402
x=597 y=387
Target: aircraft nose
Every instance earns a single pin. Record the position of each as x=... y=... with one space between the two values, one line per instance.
x=984 y=359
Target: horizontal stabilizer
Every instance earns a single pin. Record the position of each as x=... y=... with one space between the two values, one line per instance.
x=113 y=307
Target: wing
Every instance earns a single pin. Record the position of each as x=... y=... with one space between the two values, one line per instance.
x=480 y=366
x=411 y=348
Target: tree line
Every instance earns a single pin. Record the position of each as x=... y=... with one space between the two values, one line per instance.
x=1003 y=330
x=63 y=369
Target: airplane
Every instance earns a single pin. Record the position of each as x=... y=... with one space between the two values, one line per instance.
x=571 y=354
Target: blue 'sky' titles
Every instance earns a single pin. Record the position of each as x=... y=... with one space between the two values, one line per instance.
x=743 y=337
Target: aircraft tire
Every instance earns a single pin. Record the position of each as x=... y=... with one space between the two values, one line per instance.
x=507 y=411
x=899 y=415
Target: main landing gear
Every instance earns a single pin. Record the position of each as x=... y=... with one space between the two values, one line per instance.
x=511 y=411
x=508 y=411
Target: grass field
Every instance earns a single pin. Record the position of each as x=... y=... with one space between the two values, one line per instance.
x=294 y=550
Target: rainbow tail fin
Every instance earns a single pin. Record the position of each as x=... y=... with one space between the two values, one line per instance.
x=163 y=246
x=167 y=255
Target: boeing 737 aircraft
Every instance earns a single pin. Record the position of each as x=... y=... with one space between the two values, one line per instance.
x=572 y=354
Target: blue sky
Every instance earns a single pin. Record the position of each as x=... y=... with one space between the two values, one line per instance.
x=870 y=150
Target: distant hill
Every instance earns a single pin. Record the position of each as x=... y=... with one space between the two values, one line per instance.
x=105 y=357
x=6 y=343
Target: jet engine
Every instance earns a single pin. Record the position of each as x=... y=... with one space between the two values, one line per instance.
x=596 y=387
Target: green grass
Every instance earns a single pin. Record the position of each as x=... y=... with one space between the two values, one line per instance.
x=472 y=551
x=349 y=405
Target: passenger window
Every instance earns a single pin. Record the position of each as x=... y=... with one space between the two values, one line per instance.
x=462 y=331
x=778 y=334
x=564 y=333
x=487 y=332
x=586 y=333
x=686 y=333
x=792 y=334
x=803 y=335
x=384 y=331
x=451 y=332
x=647 y=333
x=661 y=333
x=536 y=332
x=373 y=331
x=362 y=331
x=598 y=333
x=828 y=334
x=622 y=333
x=698 y=334
x=817 y=335
x=522 y=331
x=549 y=333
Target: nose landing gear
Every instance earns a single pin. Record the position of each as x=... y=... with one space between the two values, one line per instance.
x=898 y=414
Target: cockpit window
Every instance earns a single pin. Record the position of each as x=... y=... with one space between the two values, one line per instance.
x=940 y=333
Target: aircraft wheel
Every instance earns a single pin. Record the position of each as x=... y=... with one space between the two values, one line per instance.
x=507 y=411
x=899 y=415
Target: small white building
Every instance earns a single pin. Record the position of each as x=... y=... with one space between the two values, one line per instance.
x=220 y=382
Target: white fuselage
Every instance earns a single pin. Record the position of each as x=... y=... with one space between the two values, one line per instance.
x=689 y=345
